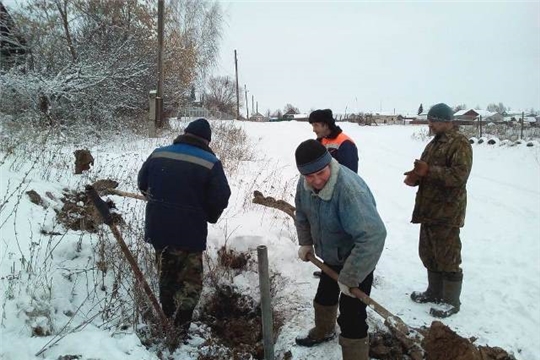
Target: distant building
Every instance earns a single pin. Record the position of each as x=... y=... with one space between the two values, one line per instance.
x=258 y=117
x=297 y=117
x=472 y=115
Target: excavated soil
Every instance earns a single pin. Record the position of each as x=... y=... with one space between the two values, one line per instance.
x=78 y=212
x=439 y=343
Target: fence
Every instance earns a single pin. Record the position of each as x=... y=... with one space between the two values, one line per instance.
x=197 y=112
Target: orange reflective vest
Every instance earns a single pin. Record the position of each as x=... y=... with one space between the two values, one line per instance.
x=334 y=144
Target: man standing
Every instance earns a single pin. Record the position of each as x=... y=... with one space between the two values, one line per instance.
x=441 y=200
x=340 y=146
x=337 y=218
x=186 y=188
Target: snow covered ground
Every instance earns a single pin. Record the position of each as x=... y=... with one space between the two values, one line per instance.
x=501 y=243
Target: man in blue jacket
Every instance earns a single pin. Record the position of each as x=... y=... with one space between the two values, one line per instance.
x=337 y=218
x=186 y=188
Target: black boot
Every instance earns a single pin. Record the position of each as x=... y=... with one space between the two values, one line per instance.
x=451 y=292
x=324 y=330
x=433 y=293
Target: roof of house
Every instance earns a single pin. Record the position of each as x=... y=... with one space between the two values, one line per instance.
x=475 y=113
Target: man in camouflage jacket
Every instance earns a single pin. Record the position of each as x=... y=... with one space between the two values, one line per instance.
x=441 y=201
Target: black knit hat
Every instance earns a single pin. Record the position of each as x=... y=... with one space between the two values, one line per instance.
x=322 y=116
x=440 y=112
x=311 y=156
x=200 y=128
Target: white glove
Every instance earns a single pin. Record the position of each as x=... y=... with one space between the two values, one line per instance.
x=304 y=250
x=345 y=289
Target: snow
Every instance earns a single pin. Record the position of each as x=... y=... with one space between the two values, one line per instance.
x=501 y=244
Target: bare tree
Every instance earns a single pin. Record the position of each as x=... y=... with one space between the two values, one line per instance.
x=292 y=108
x=460 y=107
x=277 y=114
x=499 y=108
x=221 y=94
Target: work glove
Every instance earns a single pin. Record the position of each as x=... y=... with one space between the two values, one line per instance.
x=421 y=168
x=304 y=250
x=411 y=179
x=345 y=289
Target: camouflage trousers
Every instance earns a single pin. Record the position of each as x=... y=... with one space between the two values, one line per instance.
x=180 y=284
x=440 y=248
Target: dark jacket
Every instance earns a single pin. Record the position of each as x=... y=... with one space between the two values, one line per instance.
x=342 y=148
x=186 y=187
x=442 y=196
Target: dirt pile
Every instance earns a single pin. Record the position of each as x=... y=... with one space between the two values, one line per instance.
x=439 y=343
x=78 y=212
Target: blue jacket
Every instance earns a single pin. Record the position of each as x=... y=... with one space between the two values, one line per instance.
x=186 y=188
x=342 y=223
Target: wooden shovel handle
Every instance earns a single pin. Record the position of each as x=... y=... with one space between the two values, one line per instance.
x=362 y=296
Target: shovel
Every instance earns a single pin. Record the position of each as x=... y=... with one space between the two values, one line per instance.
x=105 y=213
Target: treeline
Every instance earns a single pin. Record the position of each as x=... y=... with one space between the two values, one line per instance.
x=95 y=61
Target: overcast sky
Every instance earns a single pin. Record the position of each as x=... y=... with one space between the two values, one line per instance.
x=372 y=56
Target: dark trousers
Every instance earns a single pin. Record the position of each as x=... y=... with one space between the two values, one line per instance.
x=180 y=284
x=352 y=312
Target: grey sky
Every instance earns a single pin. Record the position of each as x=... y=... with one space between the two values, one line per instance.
x=370 y=56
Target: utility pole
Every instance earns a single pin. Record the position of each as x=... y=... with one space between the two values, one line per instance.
x=155 y=97
x=159 y=95
x=237 y=93
x=480 y=125
x=252 y=102
x=247 y=104
x=522 y=124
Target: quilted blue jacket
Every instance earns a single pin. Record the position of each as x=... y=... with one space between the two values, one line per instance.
x=186 y=188
x=342 y=223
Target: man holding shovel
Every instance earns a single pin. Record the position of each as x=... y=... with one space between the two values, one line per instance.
x=337 y=218
x=186 y=189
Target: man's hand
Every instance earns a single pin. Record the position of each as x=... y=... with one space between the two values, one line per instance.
x=411 y=179
x=421 y=168
x=304 y=250
x=345 y=289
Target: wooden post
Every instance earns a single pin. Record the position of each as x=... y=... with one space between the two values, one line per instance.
x=480 y=125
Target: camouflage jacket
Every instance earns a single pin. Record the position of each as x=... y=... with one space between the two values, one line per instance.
x=442 y=195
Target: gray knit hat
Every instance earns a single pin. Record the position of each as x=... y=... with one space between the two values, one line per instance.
x=311 y=156
x=440 y=112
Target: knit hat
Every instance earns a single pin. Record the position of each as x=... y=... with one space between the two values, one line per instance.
x=322 y=116
x=311 y=156
x=440 y=112
x=200 y=128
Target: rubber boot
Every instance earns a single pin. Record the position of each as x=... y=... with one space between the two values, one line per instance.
x=433 y=293
x=451 y=292
x=354 y=349
x=325 y=324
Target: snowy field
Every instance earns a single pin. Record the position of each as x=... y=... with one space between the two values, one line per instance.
x=501 y=243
